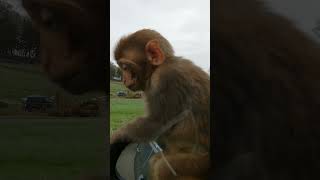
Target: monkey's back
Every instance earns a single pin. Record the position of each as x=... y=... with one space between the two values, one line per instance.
x=193 y=86
x=267 y=91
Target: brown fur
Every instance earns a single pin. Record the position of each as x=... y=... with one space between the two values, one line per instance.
x=266 y=102
x=72 y=42
x=170 y=88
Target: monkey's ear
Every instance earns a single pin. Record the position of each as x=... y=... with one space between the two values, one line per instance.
x=154 y=53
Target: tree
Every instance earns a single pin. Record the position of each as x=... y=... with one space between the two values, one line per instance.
x=8 y=28
x=29 y=41
x=112 y=70
x=118 y=72
x=115 y=71
x=18 y=38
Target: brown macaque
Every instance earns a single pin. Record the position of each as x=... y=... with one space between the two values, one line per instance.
x=177 y=94
x=266 y=95
x=72 y=42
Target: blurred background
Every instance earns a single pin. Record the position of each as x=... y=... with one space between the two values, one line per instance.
x=45 y=132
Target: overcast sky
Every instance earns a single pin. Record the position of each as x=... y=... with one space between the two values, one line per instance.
x=185 y=23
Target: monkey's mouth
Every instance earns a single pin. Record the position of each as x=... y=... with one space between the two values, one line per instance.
x=134 y=85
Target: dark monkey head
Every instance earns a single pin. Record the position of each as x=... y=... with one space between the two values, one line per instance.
x=139 y=54
x=72 y=42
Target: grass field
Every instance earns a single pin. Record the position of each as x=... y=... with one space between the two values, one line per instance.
x=21 y=80
x=43 y=148
x=123 y=110
x=51 y=148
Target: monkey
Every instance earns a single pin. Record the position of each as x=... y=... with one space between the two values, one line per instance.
x=72 y=42
x=177 y=105
x=265 y=95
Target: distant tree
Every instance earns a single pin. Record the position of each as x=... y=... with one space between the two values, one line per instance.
x=115 y=71
x=118 y=72
x=8 y=28
x=17 y=36
x=29 y=41
x=112 y=70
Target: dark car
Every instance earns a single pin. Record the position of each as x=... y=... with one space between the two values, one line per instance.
x=121 y=94
x=41 y=103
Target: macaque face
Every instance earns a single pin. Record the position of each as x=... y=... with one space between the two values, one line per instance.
x=138 y=63
x=131 y=74
x=72 y=42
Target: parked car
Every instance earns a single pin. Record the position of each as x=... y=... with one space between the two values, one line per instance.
x=41 y=103
x=121 y=94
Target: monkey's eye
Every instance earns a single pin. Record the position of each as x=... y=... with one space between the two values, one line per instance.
x=50 y=19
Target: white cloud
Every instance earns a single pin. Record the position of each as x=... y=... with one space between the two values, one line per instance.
x=185 y=23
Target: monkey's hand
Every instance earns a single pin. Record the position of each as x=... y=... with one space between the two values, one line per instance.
x=143 y=129
x=119 y=137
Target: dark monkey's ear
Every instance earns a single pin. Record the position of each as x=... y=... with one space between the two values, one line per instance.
x=154 y=53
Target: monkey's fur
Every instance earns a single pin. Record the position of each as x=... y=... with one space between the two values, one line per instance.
x=72 y=45
x=72 y=42
x=266 y=95
x=171 y=85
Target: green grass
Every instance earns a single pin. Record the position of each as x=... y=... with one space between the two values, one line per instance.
x=51 y=148
x=21 y=80
x=123 y=110
x=116 y=86
x=43 y=148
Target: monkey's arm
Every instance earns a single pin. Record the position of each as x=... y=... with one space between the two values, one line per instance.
x=139 y=130
x=149 y=130
x=167 y=103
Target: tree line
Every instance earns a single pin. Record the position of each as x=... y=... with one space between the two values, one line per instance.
x=115 y=71
x=17 y=36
